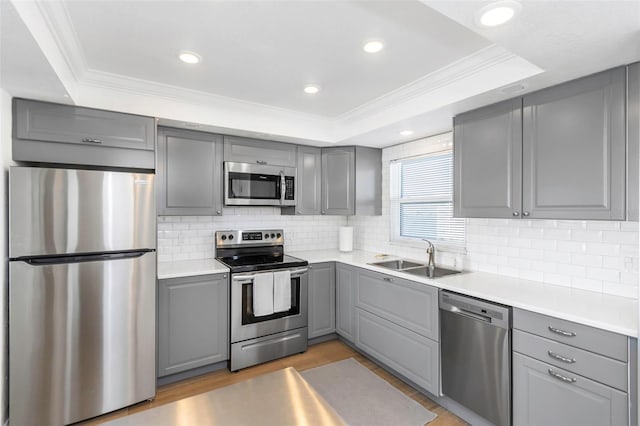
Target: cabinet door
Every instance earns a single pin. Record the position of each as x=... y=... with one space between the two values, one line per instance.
x=322 y=299
x=633 y=141
x=487 y=155
x=257 y=151
x=346 y=280
x=308 y=185
x=574 y=149
x=408 y=353
x=546 y=395
x=189 y=173
x=192 y=322
x=406 y=303
x=338 y=181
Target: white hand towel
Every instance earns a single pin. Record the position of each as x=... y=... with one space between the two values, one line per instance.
x=281 y=291
x=263 y=294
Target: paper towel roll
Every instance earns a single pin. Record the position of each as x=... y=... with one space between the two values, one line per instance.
x=345 y=238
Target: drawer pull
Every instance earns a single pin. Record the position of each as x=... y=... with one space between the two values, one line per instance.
x=261 y=162
x=389 y=280
x=561 y=377
x=91 y=140
x=562 y=332
x=561 y=358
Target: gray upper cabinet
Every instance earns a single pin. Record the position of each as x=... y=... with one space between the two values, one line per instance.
x=574 y=149
x=351 y=181
x=633 y=140
x=308 y=182
x=257 y=151
x=189 y=173
x=487 y=161
x=561 y=155
x=346 y=282
x=193 y=322
x=54 y=133
x=322 y=299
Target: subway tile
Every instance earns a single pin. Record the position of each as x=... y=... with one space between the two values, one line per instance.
x=586 y=235
x=620 y=237
x=603 y=225
x=586 y=259
x=603 y=274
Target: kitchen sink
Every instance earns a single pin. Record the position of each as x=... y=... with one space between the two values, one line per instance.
x=414 y=268
x=437 y=273
x=397 y=265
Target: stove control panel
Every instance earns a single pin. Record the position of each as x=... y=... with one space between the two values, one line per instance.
x=267 y=237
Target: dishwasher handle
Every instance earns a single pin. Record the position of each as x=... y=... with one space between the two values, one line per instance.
x=466 y=313
x=492 y=313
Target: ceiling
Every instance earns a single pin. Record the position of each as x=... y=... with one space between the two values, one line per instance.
x=258 y=55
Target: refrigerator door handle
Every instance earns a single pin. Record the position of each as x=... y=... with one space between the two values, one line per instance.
x=77 y=258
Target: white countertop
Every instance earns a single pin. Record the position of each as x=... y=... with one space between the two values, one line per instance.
x=612 y=313
x=188 y=268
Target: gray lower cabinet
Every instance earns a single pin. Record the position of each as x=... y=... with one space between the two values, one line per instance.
x=322 y=299
x=189 y=173
x=565 y=373
x=193 y=322
x=308 y=182
x=351 y=181
x=346 y=282
x=546 y=395
x=410 y=354
x=559 y=156
x=633 y=140
x=409 y=304
x=258 y=151
x=66 y=134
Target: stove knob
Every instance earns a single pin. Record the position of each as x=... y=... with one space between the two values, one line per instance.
x=266 y=236
x=273 y=235
x=230 y=237
x=279 y=235
x=224 y=237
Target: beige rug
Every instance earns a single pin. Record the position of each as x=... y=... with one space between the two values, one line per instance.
x=360 y=397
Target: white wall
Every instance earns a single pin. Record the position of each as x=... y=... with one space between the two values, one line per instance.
x=599 y=256
x=192 y=237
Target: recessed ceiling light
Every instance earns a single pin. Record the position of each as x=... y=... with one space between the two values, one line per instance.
x=406 y=133
x=311 y=89
x=373 y=46
x=514 y=88
x=497 y=13
x=189 y=57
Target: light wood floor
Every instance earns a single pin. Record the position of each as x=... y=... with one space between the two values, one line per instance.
x=316 y=355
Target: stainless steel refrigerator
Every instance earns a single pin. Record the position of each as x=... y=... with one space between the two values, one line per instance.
x=81 y=293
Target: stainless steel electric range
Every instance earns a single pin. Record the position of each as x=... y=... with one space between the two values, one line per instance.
x=258 y=266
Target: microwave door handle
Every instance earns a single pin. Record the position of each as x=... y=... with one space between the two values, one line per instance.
x=283 y=187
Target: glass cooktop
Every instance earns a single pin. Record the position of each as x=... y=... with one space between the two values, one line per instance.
x=261 y=262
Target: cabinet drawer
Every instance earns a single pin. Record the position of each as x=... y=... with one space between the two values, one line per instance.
x=546 y=395
x=414 y=356
x=582 y=336
x=408 y=304
x=597 y=367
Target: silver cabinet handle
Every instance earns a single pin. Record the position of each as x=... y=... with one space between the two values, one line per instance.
x=561 y=358
x=299 y=211
x=561 y=377
x=261 y=162
x=516 y=213
x=387 y=279
x=525 y=214
x=562 y=332
x=218 y=212
x=91 y=140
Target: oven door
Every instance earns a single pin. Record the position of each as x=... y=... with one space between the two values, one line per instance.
x=244 y=325
x=258 y=185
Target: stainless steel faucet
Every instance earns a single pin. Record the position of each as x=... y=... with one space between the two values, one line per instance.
x=431 y=254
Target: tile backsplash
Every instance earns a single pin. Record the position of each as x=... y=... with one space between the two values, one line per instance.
x=193 y=237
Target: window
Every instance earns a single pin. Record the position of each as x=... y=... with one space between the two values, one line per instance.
x=422 y=201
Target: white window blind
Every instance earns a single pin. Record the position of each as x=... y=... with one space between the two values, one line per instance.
x=422 y=200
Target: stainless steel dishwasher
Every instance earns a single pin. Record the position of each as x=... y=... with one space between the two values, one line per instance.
x=475 y=345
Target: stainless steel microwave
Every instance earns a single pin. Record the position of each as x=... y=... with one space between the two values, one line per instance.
x=248 y=184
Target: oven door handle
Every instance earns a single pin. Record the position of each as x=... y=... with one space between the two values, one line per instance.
x=243 y=278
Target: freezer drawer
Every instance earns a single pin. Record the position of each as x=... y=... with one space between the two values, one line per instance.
x=82 y=338
x=60 y=211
